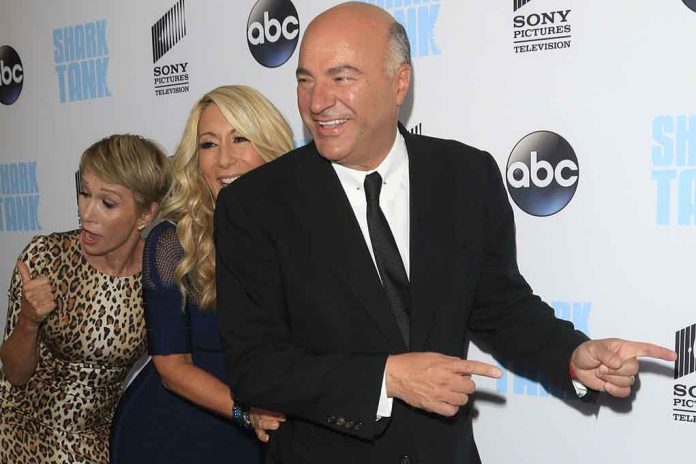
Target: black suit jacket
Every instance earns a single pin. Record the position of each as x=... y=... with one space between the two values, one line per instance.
x=306 y=324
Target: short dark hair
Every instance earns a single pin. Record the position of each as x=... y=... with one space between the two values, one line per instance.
x=398 y=48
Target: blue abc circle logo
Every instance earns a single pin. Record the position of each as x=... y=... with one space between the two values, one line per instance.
x=11 y=75
x=273 y=30
x=542 y=173
x=691 y=4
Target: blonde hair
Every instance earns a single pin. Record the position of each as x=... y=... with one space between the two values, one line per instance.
x=133 y=162
x=191 y=203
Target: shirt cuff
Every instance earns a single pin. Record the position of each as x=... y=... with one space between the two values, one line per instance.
x=580 y=389
x=384 y=407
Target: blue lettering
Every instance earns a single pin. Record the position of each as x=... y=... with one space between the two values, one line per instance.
x=74 y=84
x=34 y=212
x=89 y=82
x=561 y=309
x=68 y=44
x=664 y=185
x=662 y=153
x=5 y=179
x=581 y=316
x=21 y=213
x=418 y=18
x=22 y=208
x=23 y=178
x=501 y=383
x=58 y=54
x=81 y=74
x=524 y=386
x=86 y=79
x=33 y=183
x=102 y=49
x=102 y=89
x=79 y=42
x=686 y=141
x=14 y=179
x=10 y=213
x=60 y=70
x=427 y=17
x=91 y=40
x=18 y=178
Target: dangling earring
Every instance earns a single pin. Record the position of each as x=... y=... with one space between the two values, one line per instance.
x=141 y=226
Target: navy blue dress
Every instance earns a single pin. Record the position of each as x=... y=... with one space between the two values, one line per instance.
x=152 y=424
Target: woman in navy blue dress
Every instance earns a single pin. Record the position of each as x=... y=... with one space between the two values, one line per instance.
x=179 y=408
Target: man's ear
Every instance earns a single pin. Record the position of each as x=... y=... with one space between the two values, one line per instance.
x=402 y=80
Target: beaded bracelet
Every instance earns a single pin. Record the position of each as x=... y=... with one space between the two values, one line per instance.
x=240 y=415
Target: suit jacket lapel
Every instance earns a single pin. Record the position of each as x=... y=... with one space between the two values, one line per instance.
x=433 y=237
x=339 y=234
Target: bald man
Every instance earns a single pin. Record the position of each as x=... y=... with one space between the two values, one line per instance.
x=351 y=271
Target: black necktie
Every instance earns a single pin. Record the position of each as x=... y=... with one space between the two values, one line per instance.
x=391 y=268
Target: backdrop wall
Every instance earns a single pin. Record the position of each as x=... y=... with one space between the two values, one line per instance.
x=588 y=108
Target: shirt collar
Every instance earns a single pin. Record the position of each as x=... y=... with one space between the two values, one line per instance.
x=393 y=169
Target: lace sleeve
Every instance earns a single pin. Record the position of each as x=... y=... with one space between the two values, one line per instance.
x=161 y=255
x=168 y=324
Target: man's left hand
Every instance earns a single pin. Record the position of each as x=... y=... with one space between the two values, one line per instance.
x=265 y=421
x=610 y=365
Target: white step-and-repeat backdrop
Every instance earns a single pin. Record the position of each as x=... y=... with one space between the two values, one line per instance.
x=588 y=106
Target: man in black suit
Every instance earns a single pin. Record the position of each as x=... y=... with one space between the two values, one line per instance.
x=346 y=298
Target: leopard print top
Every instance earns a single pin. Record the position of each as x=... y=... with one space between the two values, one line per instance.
x=86 y=347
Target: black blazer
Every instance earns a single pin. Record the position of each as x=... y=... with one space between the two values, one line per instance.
x=306 y=324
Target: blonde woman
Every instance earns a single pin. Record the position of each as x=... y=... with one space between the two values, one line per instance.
x=75 y=319
x=185 y=412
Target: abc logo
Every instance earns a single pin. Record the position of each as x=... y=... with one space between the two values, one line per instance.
x=273 y=31
x=542 y=173
x=11 y=75
x=691 y=4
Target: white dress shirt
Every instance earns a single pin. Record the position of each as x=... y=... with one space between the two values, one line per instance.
x=394 y=201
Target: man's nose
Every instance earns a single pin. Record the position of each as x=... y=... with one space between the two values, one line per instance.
x=322 y=97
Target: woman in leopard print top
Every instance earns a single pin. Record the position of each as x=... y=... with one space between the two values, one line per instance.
x=75 y=320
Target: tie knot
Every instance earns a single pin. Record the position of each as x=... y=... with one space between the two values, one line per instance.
x=373 y=186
